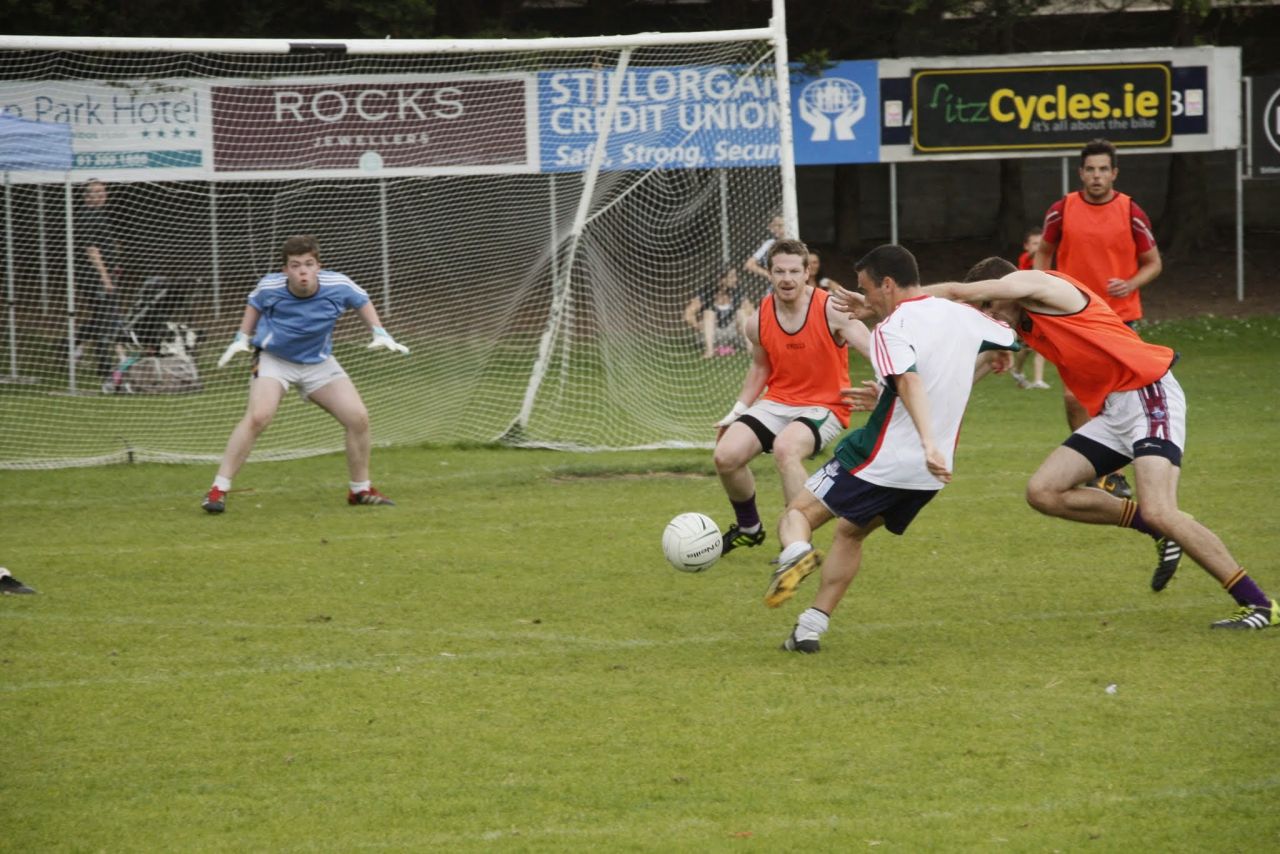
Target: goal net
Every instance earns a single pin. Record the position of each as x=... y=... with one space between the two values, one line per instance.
x=533 y=219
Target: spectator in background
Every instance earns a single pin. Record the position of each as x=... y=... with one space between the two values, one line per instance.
x=1030 y=245
x=758 y=263
x=1104 y=241
x=814 y=271
x=719 y=316
x=99 y=273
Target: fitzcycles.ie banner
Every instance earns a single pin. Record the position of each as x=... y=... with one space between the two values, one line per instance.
x=1041 y=107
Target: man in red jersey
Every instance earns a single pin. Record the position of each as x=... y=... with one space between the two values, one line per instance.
x=1136 y=413
x=1103 y=240
x=790 y=404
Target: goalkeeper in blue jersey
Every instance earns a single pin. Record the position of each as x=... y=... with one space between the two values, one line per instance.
x=288 y=326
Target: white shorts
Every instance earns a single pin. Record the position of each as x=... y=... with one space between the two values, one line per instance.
x=768 y=418
x=308 y=378
x=1142 y=422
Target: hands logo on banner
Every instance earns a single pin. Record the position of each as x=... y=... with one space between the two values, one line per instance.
x=832 y=103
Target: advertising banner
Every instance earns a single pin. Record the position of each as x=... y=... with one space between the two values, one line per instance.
x=426 y=122
x=1264 y=133
x=833 y=114
x=1041 y=107
x=677 y=117
x=119 y=126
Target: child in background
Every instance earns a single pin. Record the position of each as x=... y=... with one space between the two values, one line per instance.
x=1030 y=244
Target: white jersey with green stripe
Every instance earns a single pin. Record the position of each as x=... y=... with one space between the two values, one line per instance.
x=940 y=340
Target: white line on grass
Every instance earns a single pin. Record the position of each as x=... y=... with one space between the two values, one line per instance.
x=395 y=662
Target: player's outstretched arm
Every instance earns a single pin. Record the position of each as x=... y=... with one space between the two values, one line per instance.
x=244 y=335
x=852 y=332
x=851 y=303
x=1034 y=289
x=382 y=339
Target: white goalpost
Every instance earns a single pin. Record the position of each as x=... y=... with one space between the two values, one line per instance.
x=533 y=217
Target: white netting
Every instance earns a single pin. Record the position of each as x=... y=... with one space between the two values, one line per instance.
x=447 y=185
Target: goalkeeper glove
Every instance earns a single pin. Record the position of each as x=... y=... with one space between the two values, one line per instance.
x=738 y=408
x=383 y=341
x=239 y=345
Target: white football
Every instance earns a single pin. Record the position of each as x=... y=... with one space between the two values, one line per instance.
x=692 y=542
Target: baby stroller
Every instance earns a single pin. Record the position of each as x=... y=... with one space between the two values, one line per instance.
x=162 y=357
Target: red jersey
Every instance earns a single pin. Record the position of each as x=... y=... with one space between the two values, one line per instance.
x=1095 y=352
x=1026 y=262
x=1097 y=242
x=806 y=367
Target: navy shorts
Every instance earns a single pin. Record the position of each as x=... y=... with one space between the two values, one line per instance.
x=861 y=502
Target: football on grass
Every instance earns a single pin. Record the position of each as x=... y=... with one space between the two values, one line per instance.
x=691 y=542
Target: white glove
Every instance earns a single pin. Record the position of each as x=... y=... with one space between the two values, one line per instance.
x=239 y=345
x=738 y=408
x=383 y=341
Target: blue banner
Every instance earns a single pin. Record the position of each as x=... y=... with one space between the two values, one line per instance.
x=27 y=145
x=678 y=117
x=834 y=115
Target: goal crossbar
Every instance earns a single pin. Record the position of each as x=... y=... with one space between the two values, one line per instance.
x=372 y=47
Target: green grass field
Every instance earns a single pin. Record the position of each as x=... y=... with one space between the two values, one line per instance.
x=505 y=662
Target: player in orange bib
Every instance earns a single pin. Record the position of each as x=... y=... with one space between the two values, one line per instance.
x=790 y=404
x=1103 y=240
x=1137 y=413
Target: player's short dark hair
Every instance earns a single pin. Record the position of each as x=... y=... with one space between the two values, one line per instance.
x=994 y=267
x=299 y=244
x=787 y=246
x=890 y=259
x=1098 y=146
x=1033 y=231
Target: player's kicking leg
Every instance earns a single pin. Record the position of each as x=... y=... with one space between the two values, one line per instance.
x=798 y=558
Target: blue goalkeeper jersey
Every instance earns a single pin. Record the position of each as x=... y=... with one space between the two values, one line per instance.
x=301 y=329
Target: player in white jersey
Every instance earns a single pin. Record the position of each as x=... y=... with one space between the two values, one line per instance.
x=927 y=353
x=288 y=324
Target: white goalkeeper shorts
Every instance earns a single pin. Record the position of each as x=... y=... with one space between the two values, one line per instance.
x=308 y=378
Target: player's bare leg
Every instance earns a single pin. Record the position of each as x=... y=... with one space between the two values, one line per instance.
x=265 y=395
x=1158 y=485
x=708 y=333
x=341 y=400
x=802 y=517
x=838 y=572
x=798 y=557
x=791 y=448
x=842 y=563
x=737 y=447
x=1055 y=490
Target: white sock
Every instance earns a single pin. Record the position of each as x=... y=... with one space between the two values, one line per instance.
x=223 y=483
x=360 y=486
x=812 y=621
x=793 y=551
